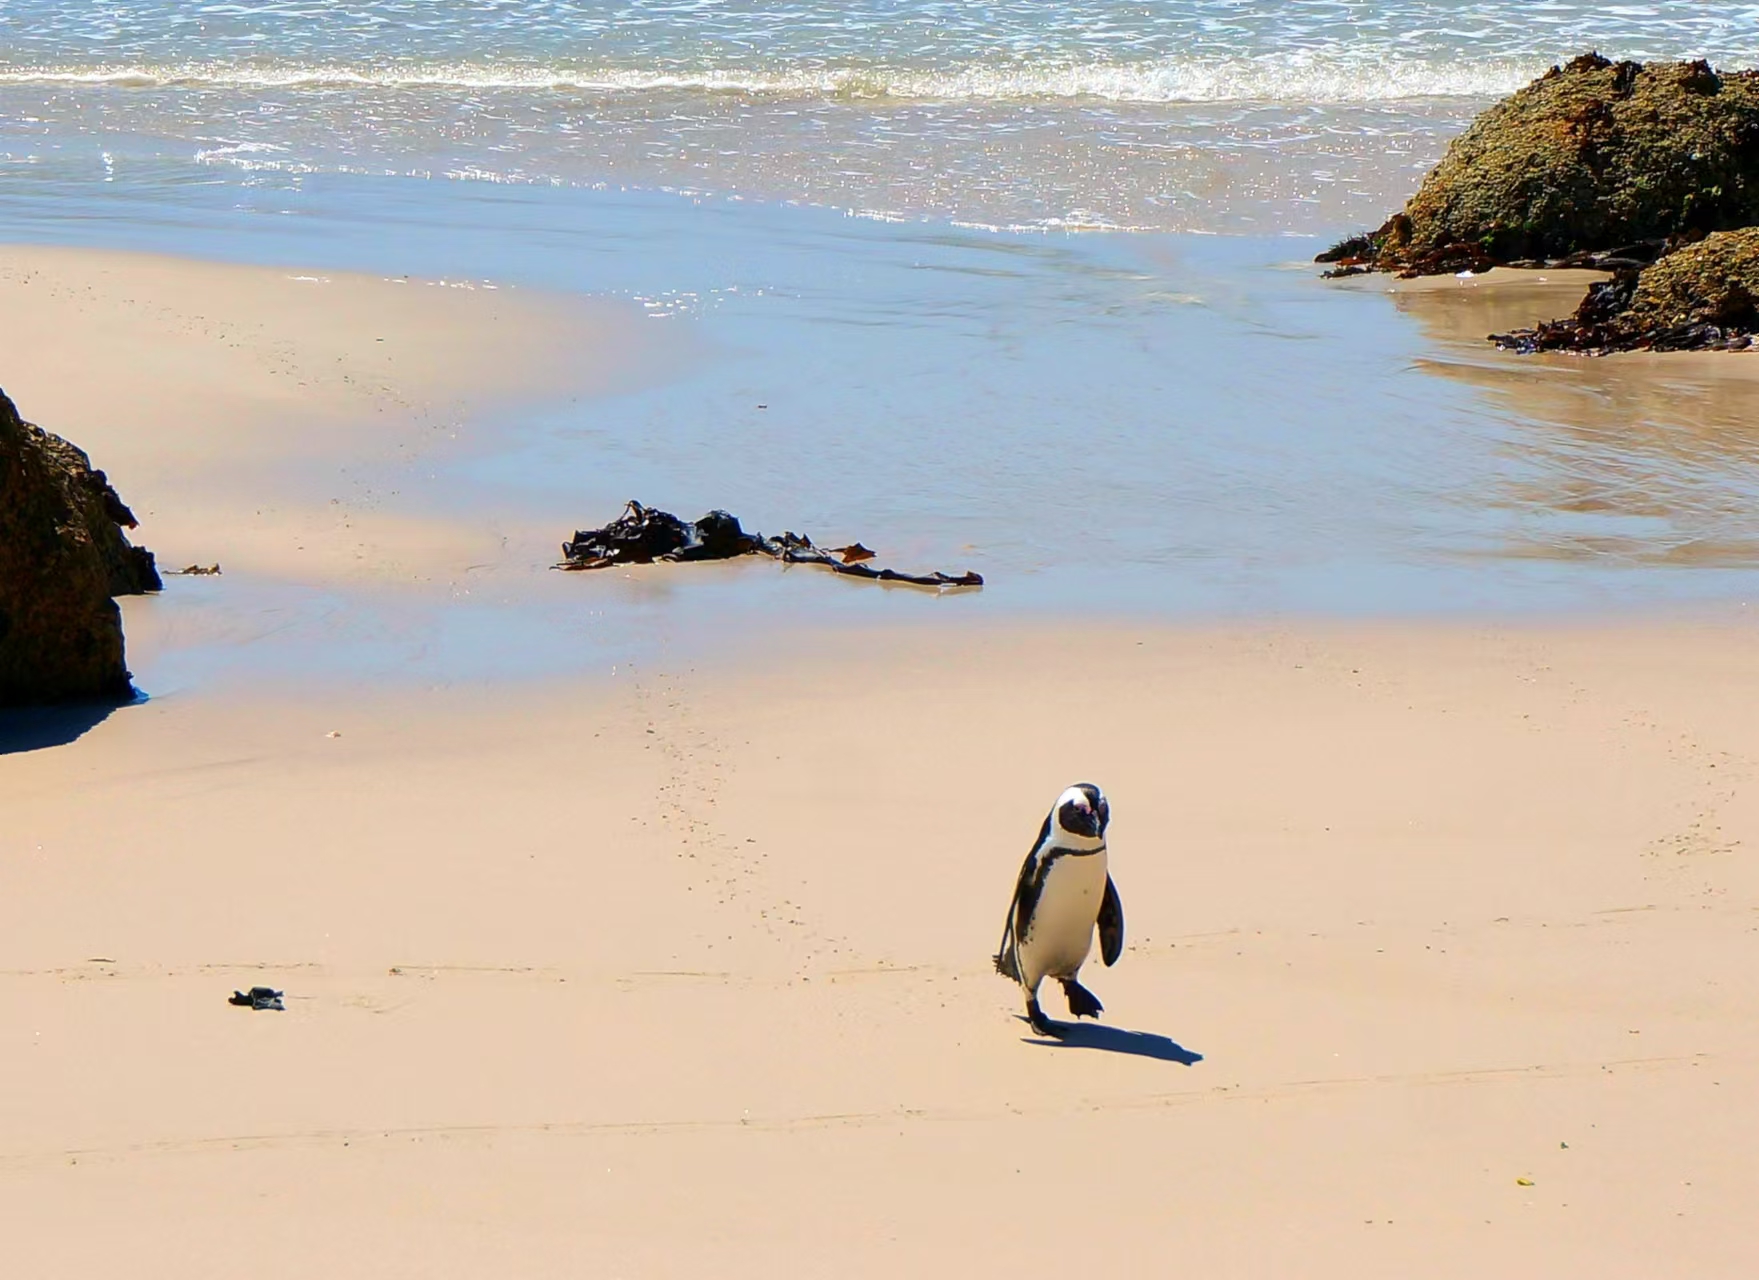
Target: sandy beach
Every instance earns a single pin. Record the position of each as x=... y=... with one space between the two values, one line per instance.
x=1440 y=935
x=1440 y=960
x=639 y=923
x=281 y=420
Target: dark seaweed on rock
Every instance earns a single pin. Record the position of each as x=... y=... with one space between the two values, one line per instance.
x=1594 y=161
x=1700 y=297
x=1352 y=249
x=642 y=535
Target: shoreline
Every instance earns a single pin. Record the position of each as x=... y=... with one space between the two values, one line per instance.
x=641 y=921
x=279 y=421
x=386 y=535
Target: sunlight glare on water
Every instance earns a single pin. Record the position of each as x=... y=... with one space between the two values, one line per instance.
x=1280 y=115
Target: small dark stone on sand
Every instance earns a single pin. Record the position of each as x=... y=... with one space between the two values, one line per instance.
x=258 y=998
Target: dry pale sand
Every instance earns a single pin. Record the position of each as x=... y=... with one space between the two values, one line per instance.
x=285 y=422
x=1441 y=962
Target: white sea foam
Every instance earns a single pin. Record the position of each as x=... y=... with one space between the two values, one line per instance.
x=1059 y=115
x=1300 y=77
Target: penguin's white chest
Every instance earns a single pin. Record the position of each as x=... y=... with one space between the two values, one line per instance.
x=1061 y=932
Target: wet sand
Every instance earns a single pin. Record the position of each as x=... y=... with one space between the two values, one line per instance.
x=283 y=421
x=1071 y=416
x=1636 y=459
x=1440 y=960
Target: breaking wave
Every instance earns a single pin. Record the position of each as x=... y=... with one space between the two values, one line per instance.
x=1301 y=77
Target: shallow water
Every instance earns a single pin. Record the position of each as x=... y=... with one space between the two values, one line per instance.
x=1144 y=425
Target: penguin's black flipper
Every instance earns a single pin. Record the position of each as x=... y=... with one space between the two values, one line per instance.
x=1111 y=925
x=1005 y=957
x=1026 y=891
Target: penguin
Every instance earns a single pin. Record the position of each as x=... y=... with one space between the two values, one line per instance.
x=1064 y=890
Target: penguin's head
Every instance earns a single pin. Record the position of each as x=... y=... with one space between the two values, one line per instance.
x=1082 y=811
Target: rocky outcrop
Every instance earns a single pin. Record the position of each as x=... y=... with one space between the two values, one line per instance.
x=1703 y=295
x=1594 y=160
x=63 y=555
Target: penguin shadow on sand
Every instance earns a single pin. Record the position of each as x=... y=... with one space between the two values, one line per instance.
x=1096 y=1035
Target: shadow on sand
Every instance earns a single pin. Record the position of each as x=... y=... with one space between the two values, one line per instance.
x=1140 y=1044
x=33 y=728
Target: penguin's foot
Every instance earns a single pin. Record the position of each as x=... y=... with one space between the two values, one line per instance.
x=1082 y=1002
x=1041 y=1024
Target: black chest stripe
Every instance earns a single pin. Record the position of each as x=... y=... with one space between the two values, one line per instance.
x=1033 y=885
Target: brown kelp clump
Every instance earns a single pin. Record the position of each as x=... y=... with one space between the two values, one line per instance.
x=644 y=535
x=1704 y=295
x=1596 y=163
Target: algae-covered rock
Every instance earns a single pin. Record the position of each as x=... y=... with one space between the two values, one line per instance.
x=63 y=556
x=1713 y=282
x=1700 y=296
x=1593 y=158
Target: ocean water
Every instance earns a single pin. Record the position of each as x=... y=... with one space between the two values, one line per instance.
x=1022 y=287
x=1261 y=116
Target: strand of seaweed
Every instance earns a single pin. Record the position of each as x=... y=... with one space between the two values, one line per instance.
x=643 y=535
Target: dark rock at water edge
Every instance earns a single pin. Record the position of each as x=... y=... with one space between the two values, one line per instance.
x=63 y=555
x=1702 y=296
x=1596 y=163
